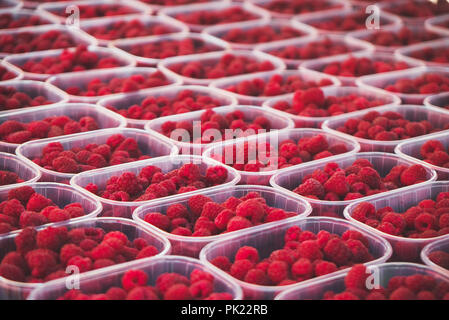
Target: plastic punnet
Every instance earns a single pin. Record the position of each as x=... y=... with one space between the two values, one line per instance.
x=440 y=245
x=26 y=172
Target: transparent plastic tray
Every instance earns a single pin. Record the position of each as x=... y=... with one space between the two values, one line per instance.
x=191 y=246
x=33 y=89
x=221 y=30
x=277 y=121
x=17 y=60
x=101 y=281
x=354 y=44
x=124 y=45
x=436 y=24
x=11 y=5
x=51 y=9
x=146 y=20
x=440 y=100
x=213 y=6
x=436 y=116
x=318 y=65
x=386 y=5
x=291 y=178
x=406 y=53
x=79 y=37
x=386 y=271
x=316 y=122
x=382 y=80
x=18 y=74
x=306 y=75
x=126 y=100
x=26 y=172
x=82 y=79
x=125 y=209
x=148 y=143
x=411 y=148
x=440 y=245
x=13 y=290
x=274 y=139
x=404 y=249
x=204 y=58
x=22 y=13
x=104 y=118
x=271 y=238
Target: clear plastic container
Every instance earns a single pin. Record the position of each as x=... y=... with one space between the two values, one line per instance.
x=214 y=6
x=440 y=245
x=404 y=249
x=385 y=271
x=126 y=100
x=382 y=162
x=169 y=163
x=23 y=13
x=13 y=290
x=148 y=143
x=405 y=54
x=18 y=74
x=33 y=89
x=12 y=163
x=146 y=20
x=17 y=60
x=440 y=100
x=436 y=116
x=306 y=75
x=104 y=118
x=221 y=30
x=81 y=79
x=277 y=122
x=191 y=246
x=271 y=238
x=212 y=57
x=316 y=122
x=386 y=6
x=411 y=148
x=274 y=139
x=436 y=24
x=318 y=65
x=57 y=10
x=382 y=80
x=79 y=37
x=101 y=281
x=125 y=45
x=354 y=45
x=10 y=5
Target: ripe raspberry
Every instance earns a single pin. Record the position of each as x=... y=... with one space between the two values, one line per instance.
x=41 y=262
x=38 y=202
x=148 y=251
x=337 y=252
x=238 y=223
x=196 y=204
x=256 y=276
x=356 y=277
x=324 y=267
x=251 y=209
x=413 y=174
x=310 y=187
x=248 y=253
x=277 y=271
x=302 y=269
x=52 y=238
x=222 y=263
x=310 y=250
x=158 y=220
x=134 y=278
x=84 y=264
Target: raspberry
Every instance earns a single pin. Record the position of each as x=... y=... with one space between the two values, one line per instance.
x=103 y=251
x=256 y=276
x=337 y=251
x=310 y=250
x=84 y=264
x=37 y=202
x=196 y=204
x=302 y=269
x=167 y=280
x=134 y=278
x=240 y=268
x=12 y=272
x=310 y=187
x=424 y=221
x=238 y=223
x=277 y=271
x=222 y=263
x=337 y=184
x=52 y=238
x=402 y=294
x=248 y=253
x=68 y=251
x=40 y=261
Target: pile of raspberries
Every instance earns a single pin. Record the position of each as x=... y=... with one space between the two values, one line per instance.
x=204 y=217
x=99 y=10
x=275 y=86
x=402 y=37
x=80 y=59
x=11 y=98
x=359 y=180
x=413 y=287
x=312 y=103
x=210 y=120
x=8 y=177
x=419 y=9
x=438 y=55
x=265 y=157
x=28 y=41
x=428 y=83
x=44 y=255
x=13 y=131
x=387 y=126
x=261 y=34
x=305 y=255
x=135 y=285
x=118 y=149
x=151 y=183
x=226 y=66
x=27 y=208
x=173 y=2
x=357 y=67
x=440 y=258
x=128 y=29
x=5 y=74
x=298 y=6
x=434 y=152
x=348 y=22
x=97 y=87
x=429 y=219
x=312 y=50
x=208 y=18
x=8 y=21
x=155 y=107
x=171 y=48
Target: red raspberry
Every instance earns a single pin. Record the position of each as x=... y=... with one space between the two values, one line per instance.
x=302 y=269
x=238 y=223
x=134 y=278
x=310 y=250
x=222 y=263
x=52 y=238
x=310 y=187
x=248 y=253
x=277 y=271
x=337 y=251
